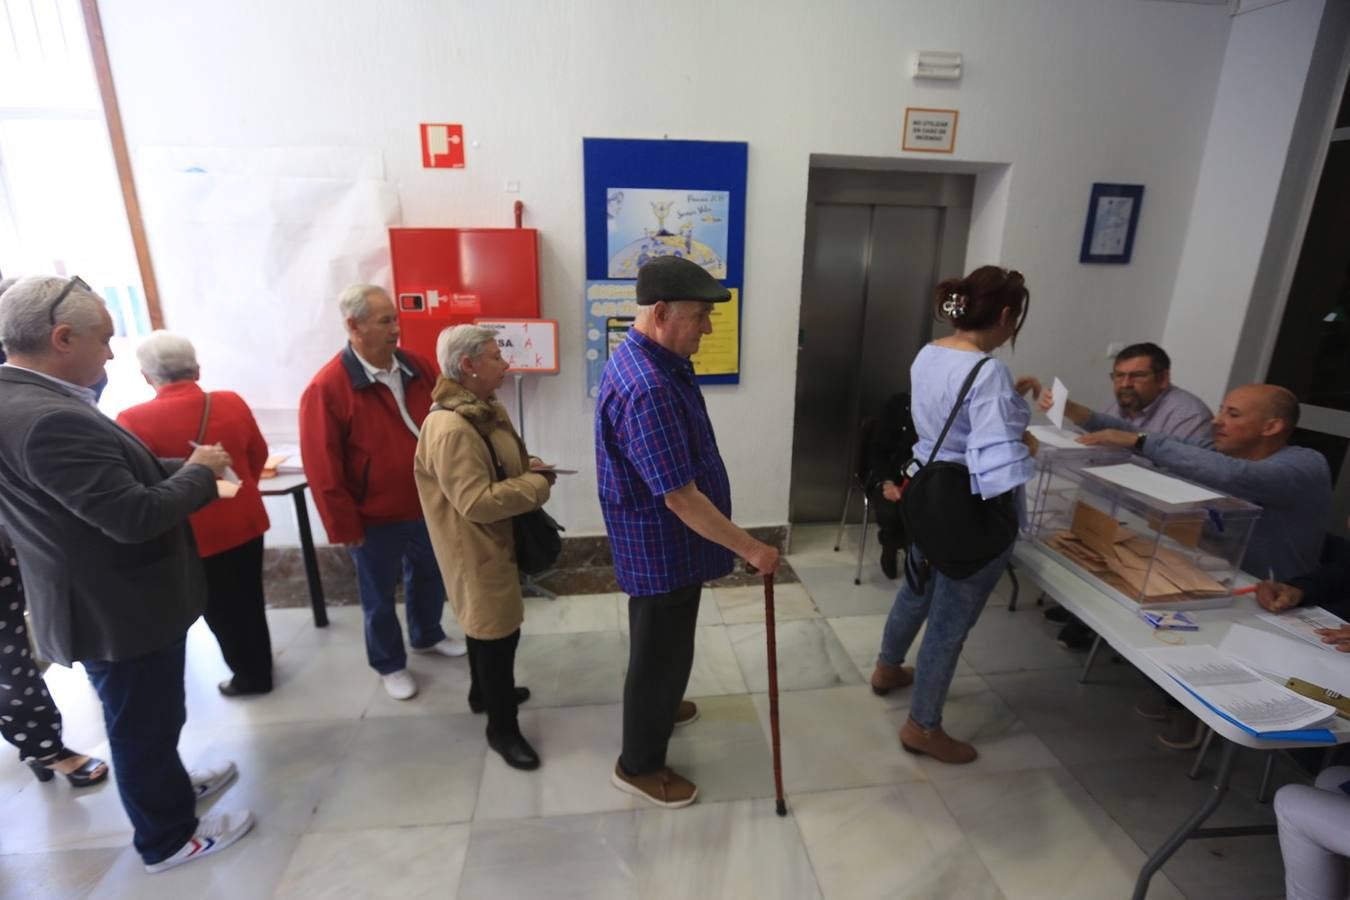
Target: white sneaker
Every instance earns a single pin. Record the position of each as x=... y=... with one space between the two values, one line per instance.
x=206 y=782
x=446 y=647
x=400 y=685
x=213 y=834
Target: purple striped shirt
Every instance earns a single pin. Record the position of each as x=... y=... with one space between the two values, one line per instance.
x=653 y=436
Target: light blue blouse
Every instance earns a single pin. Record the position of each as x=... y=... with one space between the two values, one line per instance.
x=987 y=433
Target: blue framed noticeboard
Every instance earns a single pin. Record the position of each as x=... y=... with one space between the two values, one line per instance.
x=647 y=198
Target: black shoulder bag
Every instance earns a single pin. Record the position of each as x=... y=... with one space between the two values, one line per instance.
x=958 y=532
x=538 y=542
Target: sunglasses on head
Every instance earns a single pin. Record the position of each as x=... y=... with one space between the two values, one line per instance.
x=76 y=282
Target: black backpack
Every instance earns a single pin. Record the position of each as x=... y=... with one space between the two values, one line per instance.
x=958 y=532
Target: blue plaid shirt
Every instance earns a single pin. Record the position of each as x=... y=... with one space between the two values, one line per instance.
x=653 y=436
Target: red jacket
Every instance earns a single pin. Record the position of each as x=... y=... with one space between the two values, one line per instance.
x=167 y=425
x=356 y=448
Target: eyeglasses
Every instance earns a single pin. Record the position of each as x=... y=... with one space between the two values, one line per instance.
x=76 y=282
x=1132 y=376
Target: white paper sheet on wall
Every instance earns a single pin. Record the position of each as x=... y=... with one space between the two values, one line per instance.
x=251 y=249
x=1154 y=484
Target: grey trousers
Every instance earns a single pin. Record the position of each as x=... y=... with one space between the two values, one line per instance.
x=1314 y=825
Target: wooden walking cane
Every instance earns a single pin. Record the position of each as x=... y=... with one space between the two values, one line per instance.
x=773 y=695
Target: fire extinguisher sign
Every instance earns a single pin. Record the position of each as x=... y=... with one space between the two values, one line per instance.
x=442 y=146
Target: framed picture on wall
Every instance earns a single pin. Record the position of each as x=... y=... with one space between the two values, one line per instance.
x=1113 y=215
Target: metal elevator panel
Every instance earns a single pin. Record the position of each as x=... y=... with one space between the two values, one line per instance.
x=867 y=284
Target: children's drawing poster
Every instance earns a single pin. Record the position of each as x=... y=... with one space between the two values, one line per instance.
x=645 y=199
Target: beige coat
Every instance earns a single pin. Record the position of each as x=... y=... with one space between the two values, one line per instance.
x=468 y=511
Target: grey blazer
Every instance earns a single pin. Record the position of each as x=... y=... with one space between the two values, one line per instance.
x=110 y=567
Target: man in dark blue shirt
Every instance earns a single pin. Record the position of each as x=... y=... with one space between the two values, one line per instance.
x=666 y=501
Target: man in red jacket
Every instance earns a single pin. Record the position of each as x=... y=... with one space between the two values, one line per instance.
x=359 y=422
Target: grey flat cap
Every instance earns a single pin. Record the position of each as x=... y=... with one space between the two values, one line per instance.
x=676 y=278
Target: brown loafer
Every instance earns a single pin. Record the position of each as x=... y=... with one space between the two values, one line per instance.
x=687 y=713
x=886 y=678
x=936 y=743
x=665 y=787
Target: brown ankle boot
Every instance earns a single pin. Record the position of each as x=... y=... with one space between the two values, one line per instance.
x=914 y=738
x=886 y=678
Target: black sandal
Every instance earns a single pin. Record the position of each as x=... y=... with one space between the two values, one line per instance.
x=82 y=777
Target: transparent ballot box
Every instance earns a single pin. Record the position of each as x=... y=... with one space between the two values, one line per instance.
x=1146 y=538
x=1054 y=487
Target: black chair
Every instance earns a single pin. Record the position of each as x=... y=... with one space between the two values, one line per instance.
x=857 y=480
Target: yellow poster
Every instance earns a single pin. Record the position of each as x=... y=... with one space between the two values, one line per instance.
x=719 y=352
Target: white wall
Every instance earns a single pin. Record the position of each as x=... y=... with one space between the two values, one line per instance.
x=1261 y=88
x=1066 y=92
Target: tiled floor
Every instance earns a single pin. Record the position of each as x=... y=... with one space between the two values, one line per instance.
x=360 y=796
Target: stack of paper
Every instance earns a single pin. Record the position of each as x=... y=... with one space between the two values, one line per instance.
x=1236 y=692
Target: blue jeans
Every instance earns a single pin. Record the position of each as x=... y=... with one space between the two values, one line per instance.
x=400 y=547
x=144 y=710
x=951 y=607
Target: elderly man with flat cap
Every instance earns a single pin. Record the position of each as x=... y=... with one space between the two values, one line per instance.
x=666 y=501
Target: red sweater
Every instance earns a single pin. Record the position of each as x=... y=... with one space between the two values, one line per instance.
x=167 y=425
x=357 y=450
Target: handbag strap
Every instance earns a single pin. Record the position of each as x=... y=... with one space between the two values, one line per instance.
x=206 y=415
x=961 y=398
x=492 y=451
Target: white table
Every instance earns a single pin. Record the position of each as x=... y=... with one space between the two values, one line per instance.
x=1130 y=636
x=294 y=485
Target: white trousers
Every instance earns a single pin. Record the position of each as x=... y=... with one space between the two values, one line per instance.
x=1314 y=825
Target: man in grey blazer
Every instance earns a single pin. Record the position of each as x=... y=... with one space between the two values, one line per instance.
x=109 y=563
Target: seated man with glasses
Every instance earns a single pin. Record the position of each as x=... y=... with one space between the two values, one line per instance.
x=1146 y=399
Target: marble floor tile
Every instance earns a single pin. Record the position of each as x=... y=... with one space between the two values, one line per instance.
x=1003 y=641
x=423 y=862
x=284 y=626
x=715 y=669
x=861 y=637
x=582 y=857
x=1156 y=798
x=1043 y=837
x=442 y=689
x=56 y=817
x=975 y=713
x=835 y=593
x=891 y=842
x=740 y=605
x=578 y=747
x=284 y=769
x=573 y=669
x=311 y=682
x=422 y=771
x=737 y=849
x=569 y=614
x=81 y=711
x=64 y=875
x=725 y=751
x=836 y=738
x=250 y=868
x=809 y=656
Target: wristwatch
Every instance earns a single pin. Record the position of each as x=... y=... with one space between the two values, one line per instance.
x=1139 y=441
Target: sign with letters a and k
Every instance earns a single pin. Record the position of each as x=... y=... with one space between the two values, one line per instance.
x=529 y=346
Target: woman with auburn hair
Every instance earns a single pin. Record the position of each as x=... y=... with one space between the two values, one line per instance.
x=988 y=436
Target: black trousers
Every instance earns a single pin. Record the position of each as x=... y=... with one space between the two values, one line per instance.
x=237 y=614
x=492 y=679
x=29 y=718
x=661 y=630
x=890 y=526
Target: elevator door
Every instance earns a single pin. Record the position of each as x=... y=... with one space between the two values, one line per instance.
x=866 y=312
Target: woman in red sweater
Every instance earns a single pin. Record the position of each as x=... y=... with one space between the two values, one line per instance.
x=229 y=531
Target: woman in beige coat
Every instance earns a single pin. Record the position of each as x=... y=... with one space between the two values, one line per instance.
x=468 y=512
